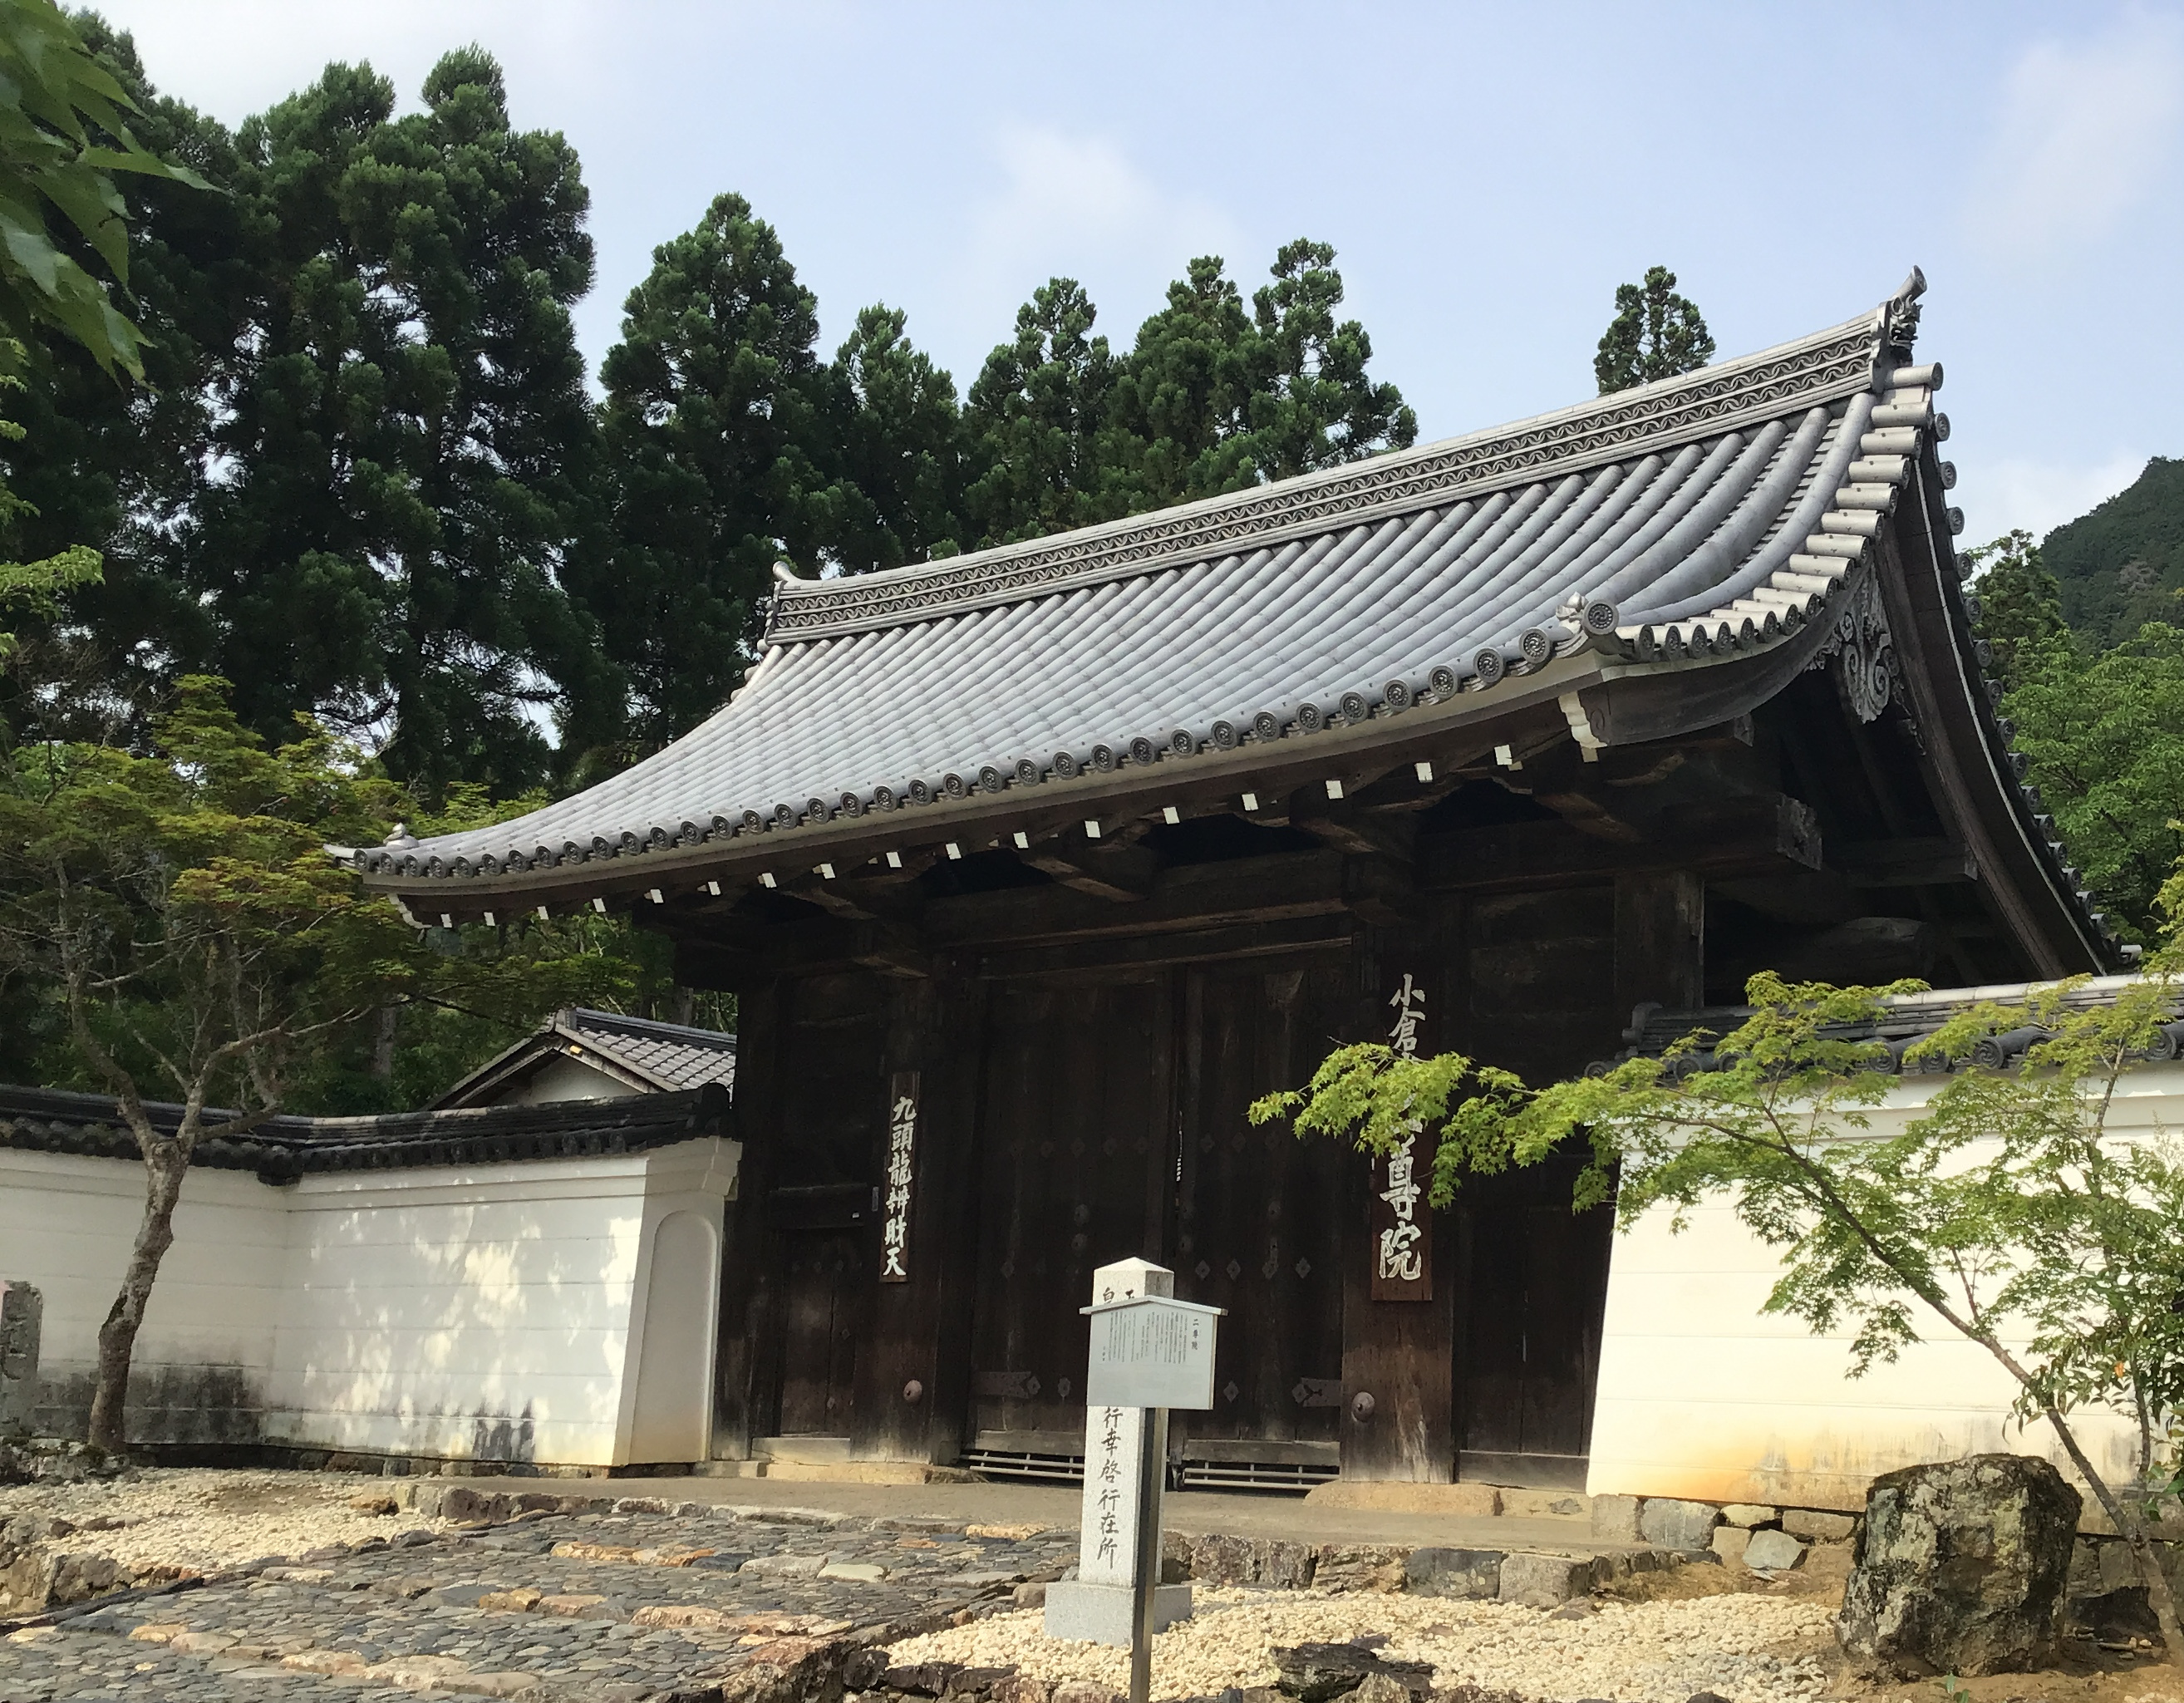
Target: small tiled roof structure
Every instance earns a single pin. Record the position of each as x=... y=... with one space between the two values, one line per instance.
x=1635 y=565
x=1904 y=1019
x=54 y=1121
x=647 y=1057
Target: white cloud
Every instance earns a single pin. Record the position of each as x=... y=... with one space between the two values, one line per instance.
x=2002 y=495
x=1077 y=206
x=2087 y=128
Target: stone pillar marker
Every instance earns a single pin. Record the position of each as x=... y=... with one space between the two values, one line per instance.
x=22 y=1312
x=1149 y=1353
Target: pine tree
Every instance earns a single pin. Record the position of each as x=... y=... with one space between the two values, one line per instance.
x=1037 y=417
x=1313 y=406
x=717 y=442
x=900 y=434
x=405 y=436
x=1655 y=334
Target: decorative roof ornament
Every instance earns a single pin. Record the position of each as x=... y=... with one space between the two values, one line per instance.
x=401 y=835
x=1901 y=331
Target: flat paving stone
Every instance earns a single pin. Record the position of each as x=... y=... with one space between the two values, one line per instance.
x=475 y=1611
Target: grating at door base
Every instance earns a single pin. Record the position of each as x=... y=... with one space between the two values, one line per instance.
x=1196 y=1475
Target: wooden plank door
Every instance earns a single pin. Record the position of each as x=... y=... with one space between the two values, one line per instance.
x=823 y=1307
x=1260 y=1229
x=1535 y=1278
x=1077 y=1164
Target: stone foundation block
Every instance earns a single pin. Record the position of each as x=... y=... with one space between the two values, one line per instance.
x=1458 y=1501
x=1615 y=1519
x=1100 y=1614
x=1360 y=1567
x=1749 y=1515
x=1773 y=1552
x=1810 y=1523
x=1676 y=1525
x=1730 y=1542
x=1543 y=1581
x=1475 y=1573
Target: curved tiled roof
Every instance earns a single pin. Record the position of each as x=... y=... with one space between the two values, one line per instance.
x=1683 y=524
x=57 y=1120
x=649 y=1056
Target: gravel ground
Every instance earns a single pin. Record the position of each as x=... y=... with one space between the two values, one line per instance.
x=1747 y=1648
x=200 y=1519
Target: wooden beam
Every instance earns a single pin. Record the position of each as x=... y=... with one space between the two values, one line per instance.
x=1903 y=862
x=1743 y=837
x=1158 y=950
x=1186 y=895
x=1114 y=871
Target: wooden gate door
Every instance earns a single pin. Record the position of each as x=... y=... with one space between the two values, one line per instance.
x=830 y=1060
x=1536 y=1280
x=827 y=1274
x=1077 y=1172
x=1260 y=1224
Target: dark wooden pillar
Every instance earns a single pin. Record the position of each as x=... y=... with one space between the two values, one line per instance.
x=745 y=1379
x=1660 y=941
x=1399 y=1418
x=913 y=1369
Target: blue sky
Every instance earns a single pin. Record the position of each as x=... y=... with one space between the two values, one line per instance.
x=1488 y=175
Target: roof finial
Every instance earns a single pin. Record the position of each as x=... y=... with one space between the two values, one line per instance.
x=401 y=835
x=1900 y=319
x=785 y=575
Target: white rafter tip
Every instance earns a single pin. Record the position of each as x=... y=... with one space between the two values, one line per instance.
x=542 y=914
x=714 y=888
x=655 y=896
x=1170 y=814
x=489 y=922
x=1334 y=789
x=1506 y=757
x=1022 y=840
x=894 y=860
x=1250 y=800
x=826 y=872
x=601 y=906
x=765 y=878
x=1425 y=771
x=446 y=920
x=1091 y=829
x=954 y=851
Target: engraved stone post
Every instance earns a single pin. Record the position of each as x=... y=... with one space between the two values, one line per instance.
x=1125 y=1443
x=22 y=1309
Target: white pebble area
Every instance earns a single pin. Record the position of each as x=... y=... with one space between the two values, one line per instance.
x=201 y=1520
x=1750 y=1649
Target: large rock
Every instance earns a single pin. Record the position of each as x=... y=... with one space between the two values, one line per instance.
x=1959 y=1568
x=1317 y=1672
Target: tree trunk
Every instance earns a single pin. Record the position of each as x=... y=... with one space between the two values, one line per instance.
x=2159 y=1597
x=164 y=1168
x=382 y=1044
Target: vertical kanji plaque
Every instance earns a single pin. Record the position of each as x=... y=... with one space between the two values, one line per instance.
x=1402 y=1221
x=901 y=1172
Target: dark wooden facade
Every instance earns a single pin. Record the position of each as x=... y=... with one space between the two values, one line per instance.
x=1089 y=1051
x=1091 y=962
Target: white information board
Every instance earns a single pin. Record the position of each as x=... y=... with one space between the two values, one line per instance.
x=1151 y=1351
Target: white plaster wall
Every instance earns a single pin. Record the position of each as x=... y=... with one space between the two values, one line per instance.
x=67 y=1222
x=1702 y=1394
x=486 y=1311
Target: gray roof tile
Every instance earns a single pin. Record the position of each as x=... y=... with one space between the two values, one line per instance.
x=1700 y=517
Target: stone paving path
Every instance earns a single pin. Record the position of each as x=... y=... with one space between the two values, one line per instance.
x=648 y=1600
